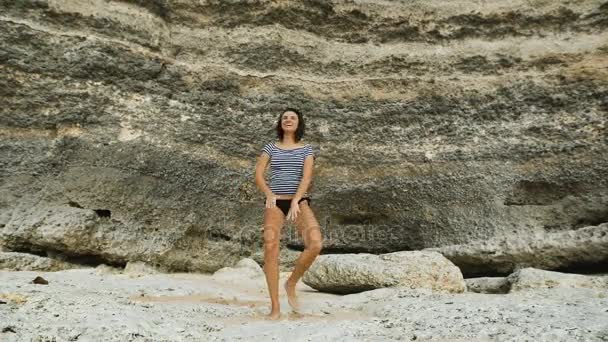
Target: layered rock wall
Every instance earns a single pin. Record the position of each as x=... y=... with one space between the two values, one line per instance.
x=129 y=129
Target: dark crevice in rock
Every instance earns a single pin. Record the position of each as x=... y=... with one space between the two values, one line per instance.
x=345 y=249
x=600 y=267
x=75 y=205
x=33 y=251
x=594 y=219
x=158 y=7
x=297 y=247
x=349 y=289
x=217 y=236
x=103 y=212
x=8 y=329
x=161 y=69
x=80 y=259
x=91 y=260
x=483 y=273
x=360 y=219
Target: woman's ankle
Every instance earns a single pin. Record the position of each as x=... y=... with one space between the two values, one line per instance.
x=290 y=282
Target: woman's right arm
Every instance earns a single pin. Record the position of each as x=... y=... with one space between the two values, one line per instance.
x=260 y=168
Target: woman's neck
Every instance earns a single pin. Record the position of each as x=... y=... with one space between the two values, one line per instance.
x=288 y=139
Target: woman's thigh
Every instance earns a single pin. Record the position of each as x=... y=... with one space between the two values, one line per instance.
x=307 y=225
x=273 y=222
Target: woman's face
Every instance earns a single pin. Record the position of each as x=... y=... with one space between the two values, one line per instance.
x=289 y=122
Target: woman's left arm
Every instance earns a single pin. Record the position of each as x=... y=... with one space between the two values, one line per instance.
x=302 y=188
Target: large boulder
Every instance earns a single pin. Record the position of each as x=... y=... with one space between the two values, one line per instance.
x=351 y=273
x=584 y=247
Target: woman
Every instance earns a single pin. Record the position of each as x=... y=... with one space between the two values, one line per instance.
x=291 y=164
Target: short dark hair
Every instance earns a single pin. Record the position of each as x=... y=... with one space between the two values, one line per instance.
x=301 y=126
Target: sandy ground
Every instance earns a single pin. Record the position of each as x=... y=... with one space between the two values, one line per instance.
x=90 y=305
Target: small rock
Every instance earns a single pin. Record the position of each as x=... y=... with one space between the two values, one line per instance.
x=138 y=269
x=105 y=269
x=40 y=281
x=245 y=268
x=493 y=285
x=9 y=329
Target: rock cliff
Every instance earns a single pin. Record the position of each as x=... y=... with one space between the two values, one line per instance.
x=129 y=129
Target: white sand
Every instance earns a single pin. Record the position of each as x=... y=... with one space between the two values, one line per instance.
x=88 y=305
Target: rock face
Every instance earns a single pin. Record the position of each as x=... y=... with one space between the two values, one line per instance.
x=585 y=247
x=13 y=261
x=351 y=273
x=531 y=278
x=436 y=123
x=534 y=279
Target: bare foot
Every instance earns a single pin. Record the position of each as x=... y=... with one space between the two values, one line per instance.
x=291 y=296
x=273 y=315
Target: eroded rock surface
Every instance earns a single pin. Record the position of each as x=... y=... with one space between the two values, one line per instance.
x=585 y=247
x=15 y=261
x=531 y=278
x=436 y=123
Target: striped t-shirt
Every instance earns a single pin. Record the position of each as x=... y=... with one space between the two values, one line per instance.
x=286 y=167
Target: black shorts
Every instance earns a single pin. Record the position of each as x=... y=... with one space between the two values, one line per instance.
x=285 y=204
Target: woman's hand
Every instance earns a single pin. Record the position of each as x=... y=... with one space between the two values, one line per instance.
x=294 y=210
x=271 y=200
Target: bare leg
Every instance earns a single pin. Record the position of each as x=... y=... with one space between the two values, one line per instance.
x=309 y=229
x=273 y=222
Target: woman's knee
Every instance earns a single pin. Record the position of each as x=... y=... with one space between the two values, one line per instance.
x=315 y=247
x=271 y=232
x=271 y=239
x=271 y=242
x=315 y=241
x=271 y=251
